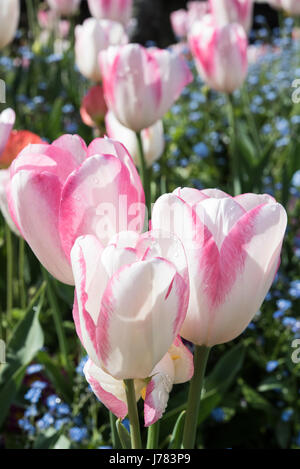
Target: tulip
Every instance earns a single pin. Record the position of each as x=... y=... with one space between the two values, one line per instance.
x=233 y=249
x=152 y=138
x=291 y=6
x=140 y=85
x=9 y=20
x=17 y=140
x=115 y=10
x=94 y=36
x=64 y=7
x=179 y=19
x=130 y=301
x=7 y=120
x=93 y=108
x=64 y=190
x=220 y=54
x=196 y=11
x=232 y=11
x=4 y=181
x=175 y=367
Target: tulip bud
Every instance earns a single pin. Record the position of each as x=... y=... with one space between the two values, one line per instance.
x=220 y=54
x=64 y=7
x=9 y=20
x=140 y=85
x=232 y=11
x=94 y=36
x=93 y=108
x=115 y=10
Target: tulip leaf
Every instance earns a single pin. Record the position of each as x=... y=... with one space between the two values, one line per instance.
x=59 y=381
x=177 y=434
x=26 y=341
x=48 y=439
x=225 y=371
x=123 y=435
x=255 y=400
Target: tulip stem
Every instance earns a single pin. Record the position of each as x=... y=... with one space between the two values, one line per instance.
x=9 y=274
x=114 y=434
x=153 y=436
x=194 y=398
x=144 y=175
x=135 y=434
x=237 y=189
x=21 y=273
x=58 y=322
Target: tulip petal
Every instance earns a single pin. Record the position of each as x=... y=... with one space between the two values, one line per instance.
x=99 y=198
x=75 y=145
x=35 y=198
x=158 y=390
x=90 y=280
x=183 y=361
x=142 y=310
x=108 y=390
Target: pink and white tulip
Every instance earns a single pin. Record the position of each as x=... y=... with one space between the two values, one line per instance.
x=140 y=85
x=233 y=249
x=7 y=120
x=130 y=301
x=95 y=36
x=179 y=22
x=9 y=20
x=152 y=138
x=64 y=7
x=232 y=11
x=93 y=108
x=220 y=54
x=64 y=190
x=115 y=10
x=174 y=368
x=4 y=181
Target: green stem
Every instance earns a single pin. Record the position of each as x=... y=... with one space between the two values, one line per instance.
x=136 y=442
x=144 y=172
x=153 y=436
x=193 y=405
x=21 y=273
x=114 y=434
x=250 y=119
x=57 y=321
x=237 y=189
x=9 y=274
x=31 y=17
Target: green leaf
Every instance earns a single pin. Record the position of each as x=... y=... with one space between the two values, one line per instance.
x=254 y=399
x=177 y=434
x=60 y=382
x=26 y=341
x=123 y=435
x=48 y=439
x=225 y=371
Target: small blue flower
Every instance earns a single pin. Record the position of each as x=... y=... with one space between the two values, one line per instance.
x=271 y=366
x=126 y=424
x=283 y=304
x=201 y=149
x=35 y=368
x=25 y=425
x=39 y=385
x=63 y=409
x=33 y=395
x=59 y=423
x=46 y=421
x=78 y=434
x=218 y=414
x=104 y=447
x=31 y=411
x=286 y=415
x=52 y=401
